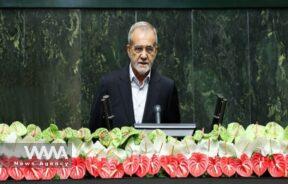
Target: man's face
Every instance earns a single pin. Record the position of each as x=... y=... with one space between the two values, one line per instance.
x=142 y=51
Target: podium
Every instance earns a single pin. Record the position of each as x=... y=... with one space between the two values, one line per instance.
x=171 y=129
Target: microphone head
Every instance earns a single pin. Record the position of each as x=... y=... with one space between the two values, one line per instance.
x=157 y=108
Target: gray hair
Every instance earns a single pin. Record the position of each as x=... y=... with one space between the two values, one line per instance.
x=143 y=25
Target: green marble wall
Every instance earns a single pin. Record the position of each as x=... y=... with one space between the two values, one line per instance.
x=51 y=61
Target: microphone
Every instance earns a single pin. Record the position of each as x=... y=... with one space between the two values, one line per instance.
x=157 y=109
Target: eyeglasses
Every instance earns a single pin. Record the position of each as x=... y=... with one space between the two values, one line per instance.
x=149 y=48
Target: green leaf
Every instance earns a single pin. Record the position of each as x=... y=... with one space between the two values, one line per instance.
x=33 y=130
x=4 y=131
x=235 y=130
x=97 y=132
x=274 y=131
x=172 y=140
x=85 y=133
x=162 y=173
x=254 y=131
x=53 y=128
x=28 y=139
x=224 y=134
x=285 y=135
x=51 y=133
x=104 y=137
x=18 y=128
x=59 y=141
x=4 y=128
x=70 y=133
x=116 y=136
x=39 y=137
x=156 y=133
x=139 y=137
x=132 y=147
x=128 y=132
x=214 y=134
x=198 y=135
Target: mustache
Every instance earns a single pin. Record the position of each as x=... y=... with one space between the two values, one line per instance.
x=143 y=62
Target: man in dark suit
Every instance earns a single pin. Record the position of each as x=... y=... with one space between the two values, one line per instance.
x=136 y=89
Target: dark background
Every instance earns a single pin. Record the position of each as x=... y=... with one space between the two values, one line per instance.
x=51 y=61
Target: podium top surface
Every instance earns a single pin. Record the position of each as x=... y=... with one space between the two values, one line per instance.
x=165 y=126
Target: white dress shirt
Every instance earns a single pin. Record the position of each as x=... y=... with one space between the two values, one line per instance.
x=139 y=94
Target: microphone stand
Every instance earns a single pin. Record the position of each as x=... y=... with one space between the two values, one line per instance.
x=219 y=111
x=107 y=117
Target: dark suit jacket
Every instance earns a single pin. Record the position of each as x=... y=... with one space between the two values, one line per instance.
x=117 y=85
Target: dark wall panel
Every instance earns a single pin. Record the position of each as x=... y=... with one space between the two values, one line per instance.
x=51 y=61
